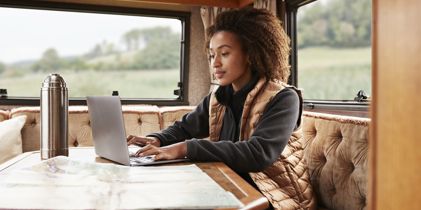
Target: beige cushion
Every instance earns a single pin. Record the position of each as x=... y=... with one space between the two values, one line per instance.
x=30 y=131
x=171 y=114
x=10 y=138
x=336 y=154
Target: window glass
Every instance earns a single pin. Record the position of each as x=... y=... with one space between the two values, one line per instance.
x=334 y=49
x=95 y=53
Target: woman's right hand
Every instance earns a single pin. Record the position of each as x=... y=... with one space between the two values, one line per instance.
x=143 y=141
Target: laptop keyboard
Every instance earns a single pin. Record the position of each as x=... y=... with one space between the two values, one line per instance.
x=146 y=159
x=133 y=149
x=133 y=160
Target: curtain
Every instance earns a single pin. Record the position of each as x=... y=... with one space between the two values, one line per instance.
x=265 y=4
x=209 y=15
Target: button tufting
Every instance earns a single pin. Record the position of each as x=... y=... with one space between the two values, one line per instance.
x=352 y=166
x=323 y=160
x=75 y=143
x=333 y=190
x=313 y=131
x=363 y=201
x=338 y=134
x=139 y=121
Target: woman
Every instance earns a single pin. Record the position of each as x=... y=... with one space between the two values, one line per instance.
x=250 y=117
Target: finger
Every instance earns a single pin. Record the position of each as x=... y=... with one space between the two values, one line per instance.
x=130 y=137
x=148 y=141
x=137 y=140
x=130 y=140
x=152 y=151
x=133 y=141
x=147 y=150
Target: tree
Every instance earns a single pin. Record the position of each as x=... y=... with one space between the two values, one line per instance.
x=162 y=49
x=131 y=39
x=101 y=49
x=339 y=23
x=75 y=64
x=50 y=61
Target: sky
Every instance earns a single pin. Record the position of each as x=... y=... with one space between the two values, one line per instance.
x=26 y=33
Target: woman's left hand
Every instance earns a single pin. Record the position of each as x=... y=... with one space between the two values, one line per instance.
x=173 y=151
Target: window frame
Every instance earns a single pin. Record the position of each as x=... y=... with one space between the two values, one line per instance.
x=184 y=17
x=347 y=107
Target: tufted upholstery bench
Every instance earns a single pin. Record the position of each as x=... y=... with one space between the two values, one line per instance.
x=335 y=146
x=336 y=154
x=139 y=120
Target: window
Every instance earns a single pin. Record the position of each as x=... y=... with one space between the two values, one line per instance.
x=334 y=49
x=97 y=50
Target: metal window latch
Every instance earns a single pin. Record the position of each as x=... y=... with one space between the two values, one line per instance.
x=3 y=93
x=361 y=96
x=178 y=91
x=115 y=93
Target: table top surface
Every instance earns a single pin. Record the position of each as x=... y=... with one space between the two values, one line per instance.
x=219 y=172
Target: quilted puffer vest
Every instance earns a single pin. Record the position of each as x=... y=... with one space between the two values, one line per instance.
x=285 y=183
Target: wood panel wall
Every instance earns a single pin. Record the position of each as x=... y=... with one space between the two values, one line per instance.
x=395 y=147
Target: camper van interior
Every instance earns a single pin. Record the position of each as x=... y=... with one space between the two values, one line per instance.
x=356 y=63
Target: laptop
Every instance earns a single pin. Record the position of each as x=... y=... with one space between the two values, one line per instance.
x=109 y=134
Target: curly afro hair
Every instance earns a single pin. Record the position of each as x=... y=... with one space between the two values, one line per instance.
x=262 y=38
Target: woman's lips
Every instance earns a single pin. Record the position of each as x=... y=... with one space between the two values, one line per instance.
x=219 y=74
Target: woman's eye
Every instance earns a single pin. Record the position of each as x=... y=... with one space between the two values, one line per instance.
x=225 y=54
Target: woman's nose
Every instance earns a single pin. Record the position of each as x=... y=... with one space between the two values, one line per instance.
x=216 y=62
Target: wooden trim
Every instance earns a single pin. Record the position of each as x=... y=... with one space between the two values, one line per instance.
x=372 y=140
x=394 y=146
x=233 y=183
x=243 y=3
x=167 y=3
x=215 y=3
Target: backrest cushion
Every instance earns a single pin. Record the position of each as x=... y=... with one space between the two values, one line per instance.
x=138 y=120
x=171 y=114
x=336 y=153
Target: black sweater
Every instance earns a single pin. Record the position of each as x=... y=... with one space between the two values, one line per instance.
x=269 y=138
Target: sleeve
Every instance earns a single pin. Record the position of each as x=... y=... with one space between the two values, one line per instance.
x=264 y=146
x=193 y=124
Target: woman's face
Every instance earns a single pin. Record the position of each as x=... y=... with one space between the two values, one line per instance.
x=228 y=60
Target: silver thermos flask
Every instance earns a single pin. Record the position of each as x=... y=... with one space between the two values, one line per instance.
x=54 y=117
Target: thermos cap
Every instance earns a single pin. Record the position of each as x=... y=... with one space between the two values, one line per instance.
x=54 y=80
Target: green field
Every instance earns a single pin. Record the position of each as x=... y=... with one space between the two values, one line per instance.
x=139 y=84
x=323 y=73
x=336 y=74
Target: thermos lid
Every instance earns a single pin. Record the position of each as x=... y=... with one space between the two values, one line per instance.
x=54 y=80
